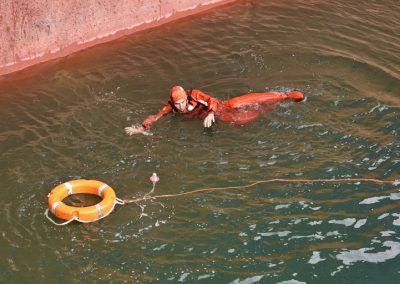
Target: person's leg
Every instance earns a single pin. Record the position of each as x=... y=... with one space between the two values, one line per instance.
x=262 y=98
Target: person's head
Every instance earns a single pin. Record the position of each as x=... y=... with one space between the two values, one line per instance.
x=179 y=98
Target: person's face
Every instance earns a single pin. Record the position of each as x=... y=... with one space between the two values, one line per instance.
x=181 y=105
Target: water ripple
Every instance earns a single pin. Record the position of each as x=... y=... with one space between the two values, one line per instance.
x=64 y=120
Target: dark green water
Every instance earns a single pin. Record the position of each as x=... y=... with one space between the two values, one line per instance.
x=64 y=120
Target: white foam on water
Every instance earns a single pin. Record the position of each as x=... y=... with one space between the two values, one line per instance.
x=384 y=215
x=314 y=223
x=339 y=268
x=183 y=276
x=397 y=221
x=373 y=200
x=160 y=247
x=282 y=206
x=315 y=208
x=387 y=233
x=248 y=280
x=204 y=276
x=252 y=227
x=360 y=223
x=333 y=233
x=279 y=234
x=291 y=281
x=363 y=254
x=315 y=258
x=395 y=196
x=347 y=222
x=317 y=236
x=310 y=125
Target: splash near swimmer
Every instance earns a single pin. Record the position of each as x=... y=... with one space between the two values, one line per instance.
x=193 y=103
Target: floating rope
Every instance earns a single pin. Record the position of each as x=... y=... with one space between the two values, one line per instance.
x=341 y=180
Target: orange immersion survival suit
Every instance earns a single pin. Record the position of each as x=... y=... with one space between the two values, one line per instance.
x=238 y=110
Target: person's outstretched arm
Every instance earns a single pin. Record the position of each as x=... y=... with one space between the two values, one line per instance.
x=130 y=130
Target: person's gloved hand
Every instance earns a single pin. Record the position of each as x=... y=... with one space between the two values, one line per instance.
x=130 y=130
x=209 y=120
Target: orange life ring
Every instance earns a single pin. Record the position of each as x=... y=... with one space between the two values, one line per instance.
x=83 y=214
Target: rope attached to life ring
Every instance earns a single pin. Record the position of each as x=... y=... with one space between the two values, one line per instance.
x=154 y=179
x=342 y=180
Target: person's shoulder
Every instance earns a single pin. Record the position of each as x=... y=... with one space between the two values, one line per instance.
x=196 y=92
x=167 y=107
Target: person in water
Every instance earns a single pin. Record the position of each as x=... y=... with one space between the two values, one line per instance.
x=194 y=103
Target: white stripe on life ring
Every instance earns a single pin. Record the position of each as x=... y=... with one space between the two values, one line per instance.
x=101 y=188
x=69 y=188
x=100 y=210
x=53 y=208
